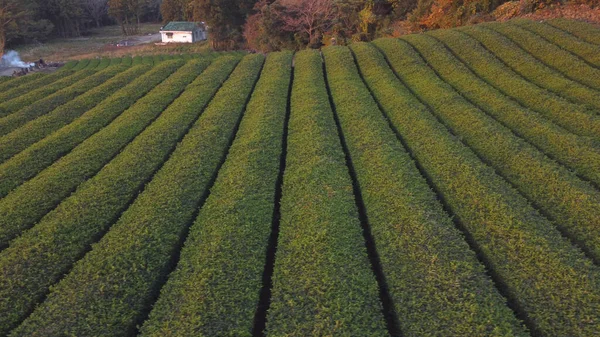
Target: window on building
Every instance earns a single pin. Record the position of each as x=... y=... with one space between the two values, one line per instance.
x=169 y=35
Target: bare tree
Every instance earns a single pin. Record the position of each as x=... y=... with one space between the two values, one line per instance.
x=96 y=9
x=312 y=17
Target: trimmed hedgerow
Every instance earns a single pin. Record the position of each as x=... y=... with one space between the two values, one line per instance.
x=39 y=83
x=137 y=60
x=157 y=59
x=81 y=64
x=582 y=30
x=572 y=203
x=587 y=51
x=550 y=54
x=37 y=129
x=323 y=284
x=43 y=192
x=93 y=64
x=115 y=61
x=52 y=100
x=22 y=101
x=69 y=65
x=104 y=63
x=43 y=254
x=149 y=60
x=215 y=289
x=110 y=289
x=428 y=267
x=576 y=118
x=127 y=61
x=570 y=150
x=531 y=68
x=551 y=282
x=11 y=82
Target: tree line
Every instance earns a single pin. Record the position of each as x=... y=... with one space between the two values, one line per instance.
x=261 y=25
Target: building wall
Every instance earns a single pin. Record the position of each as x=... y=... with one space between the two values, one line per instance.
x=180 y=37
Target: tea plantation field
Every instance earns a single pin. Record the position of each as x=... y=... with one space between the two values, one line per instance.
x=440 y=184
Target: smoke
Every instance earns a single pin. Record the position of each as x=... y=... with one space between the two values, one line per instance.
x=12 y=59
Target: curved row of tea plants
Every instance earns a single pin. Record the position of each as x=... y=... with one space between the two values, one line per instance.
x=25 y=205
x=540 y=271
x=580 y=29
x=132 y=260
x=39 y=257
x=573 y=203
x=550 y=54
x=49 y=102
x=321 y=261
x=42 y=154
x=531 y=68
x=575 y=152
x=37 y=129
x=429 y=269
x=578 y=119
x=214 y=290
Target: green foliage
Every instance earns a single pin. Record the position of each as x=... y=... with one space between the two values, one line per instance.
x=21 y=101
x=149 y=60
x=93 y=64
x=83 y=217
x=137 y=60
x=11 y=82
x=582 y=30
x=322 y=282
x=526 y=65
x=36 y=81
x=127 y=61
x=81 y=64
x=115 y=61
x=541 y=271
x=575 y=118
x=34 y=159
x=88 y=79
x=105 y=62
x=133 y=257
x=552 y=55
x=587 y=51
x=39 y=128
x=574 y=152
x=429 y=268
x=221 y=265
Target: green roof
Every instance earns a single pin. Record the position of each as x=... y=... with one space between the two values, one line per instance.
x=180 y=26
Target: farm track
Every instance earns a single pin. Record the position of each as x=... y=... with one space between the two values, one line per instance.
x=364 y=190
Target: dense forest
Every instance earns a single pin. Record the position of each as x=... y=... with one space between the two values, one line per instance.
x=262 y=25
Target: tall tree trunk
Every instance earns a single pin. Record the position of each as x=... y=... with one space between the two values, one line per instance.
x=2 y=41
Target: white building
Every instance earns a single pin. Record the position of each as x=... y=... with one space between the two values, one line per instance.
x=183 y=32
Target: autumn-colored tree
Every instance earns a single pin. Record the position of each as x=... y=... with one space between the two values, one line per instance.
x=225 y=20
x=309 y=17
x=173 y=10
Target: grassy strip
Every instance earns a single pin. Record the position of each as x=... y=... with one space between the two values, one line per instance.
x=127 y=61
x=552 y=55
x=429 y=269
x=531 y=68
x=43 y=192
x=215 y=288
x=5 y=79
x=23 y=101
x=37 y=129
x=547 y=280
x=103 y=64
x=137 y=60
x=115 y=61
x=582 y=30
x=322 y=280
x=576 y=118
x=132 y=259
x=587 y=51
x=574 y=204
x=69 y=65
x=34 y=159
x=570 y=150
x=38 y=258
x=157 y=59
x=12 y=82
x=52 y=100
x=81 y=65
